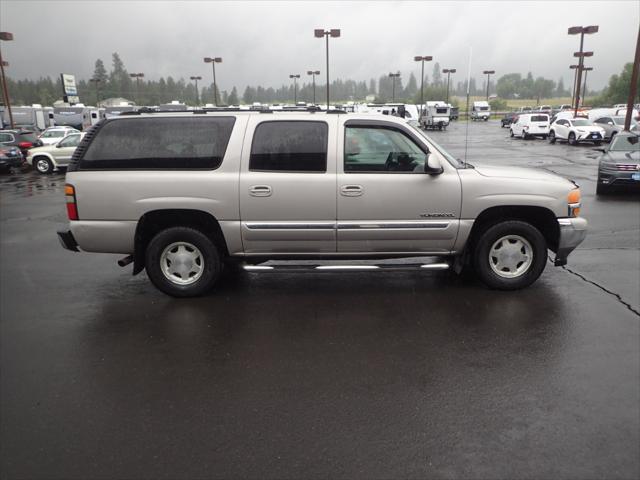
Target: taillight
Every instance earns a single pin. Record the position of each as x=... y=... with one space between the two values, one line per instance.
x=72 y=208
x=25 y=144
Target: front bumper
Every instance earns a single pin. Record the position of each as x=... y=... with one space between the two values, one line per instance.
x=10 y=161
x=67 y=240
x=617 y=178
x=588 y=137
x=572 y=233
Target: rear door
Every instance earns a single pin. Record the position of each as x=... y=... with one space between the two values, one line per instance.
x=386 y=203
x=288 y=185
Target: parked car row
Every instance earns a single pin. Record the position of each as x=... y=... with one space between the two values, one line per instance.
x=53 y=148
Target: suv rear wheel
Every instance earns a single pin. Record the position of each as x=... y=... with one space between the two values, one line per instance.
x=510 y=255
x=182 y=262
x=552 y=137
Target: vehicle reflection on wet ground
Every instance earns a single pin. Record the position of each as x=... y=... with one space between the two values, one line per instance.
x=367 y=375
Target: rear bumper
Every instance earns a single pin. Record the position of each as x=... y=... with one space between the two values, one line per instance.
x=67 y=240
x=572 y=233
x=10 y=161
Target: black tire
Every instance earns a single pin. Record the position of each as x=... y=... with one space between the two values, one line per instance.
x=5 y=169
x=544 y=137
x=597 y=144
x=211 y=263
x=552 y=137
x=42 y=165
x=572 y=139
x=515 y=228
x=511 y=132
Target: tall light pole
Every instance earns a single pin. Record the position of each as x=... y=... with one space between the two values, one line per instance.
x=137 y=76
x=96 y=81
x=393 y=80
x=634 y=85
x=319 y=33
x=575 y=78
x=7 y=37
x=448 y=71
x=313 y=73
x=422 y=58
x=581 y=54
x=584 y=85
x=295 y=87
x=488 y=73
x=196 y=80
x=213 y=61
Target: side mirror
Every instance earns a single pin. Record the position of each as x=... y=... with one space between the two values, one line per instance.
x=58 y=145
x=432 y=165
x=609 y=123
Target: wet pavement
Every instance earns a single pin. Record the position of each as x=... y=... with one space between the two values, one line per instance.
x=350 y=375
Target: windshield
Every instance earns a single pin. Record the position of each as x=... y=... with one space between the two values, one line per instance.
x=619 y=120
x=483 y=108
x=53 y=134
x=625 y=143
x=454 y=161
x=581 y=122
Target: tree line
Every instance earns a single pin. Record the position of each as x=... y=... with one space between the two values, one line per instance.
x=118 y=83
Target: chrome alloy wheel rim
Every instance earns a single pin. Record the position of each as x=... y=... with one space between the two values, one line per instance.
x=510 y=256
x=42 y=165
x=182 y=263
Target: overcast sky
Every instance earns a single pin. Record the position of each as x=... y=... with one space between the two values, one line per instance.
x=263 y=42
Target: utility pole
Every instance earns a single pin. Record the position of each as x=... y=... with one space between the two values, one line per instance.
x=488 y=73
x=634 y=85
x=213 y=61
x=393 y=79
x=7 y=37
x=319 y=33
x=313 y=74
x=96 y=81
x=448 y=71
x=581 y=55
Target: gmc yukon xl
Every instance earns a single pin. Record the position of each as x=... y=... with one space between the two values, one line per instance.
x=182 y=194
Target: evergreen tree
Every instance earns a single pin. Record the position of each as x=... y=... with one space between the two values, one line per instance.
x=100 y=73
x=437 y=75
x=233 y=97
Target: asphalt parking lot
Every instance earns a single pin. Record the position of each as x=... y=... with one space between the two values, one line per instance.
x=350 y=375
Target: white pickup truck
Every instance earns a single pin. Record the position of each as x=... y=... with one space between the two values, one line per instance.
x=181 y=194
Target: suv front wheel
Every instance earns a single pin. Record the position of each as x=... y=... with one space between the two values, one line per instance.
x=182 y=262
x=510 y=255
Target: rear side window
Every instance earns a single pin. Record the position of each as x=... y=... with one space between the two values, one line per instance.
x=179 y=143
x=290 y=146
x=539 y=118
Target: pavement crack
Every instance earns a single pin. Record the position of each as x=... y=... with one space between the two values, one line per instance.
x=604 y=289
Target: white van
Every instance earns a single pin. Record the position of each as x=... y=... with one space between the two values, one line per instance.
x=481 y=111
x=529 y=125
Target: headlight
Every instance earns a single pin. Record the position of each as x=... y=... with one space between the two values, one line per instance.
x=573 y=202
x=580 y=130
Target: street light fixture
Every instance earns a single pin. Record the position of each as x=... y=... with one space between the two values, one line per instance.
x=96 y=81
x=448 y=71
x=422 y=58
x=137 y=76
x=213 y=61
x=196 y=80
x=295 y=87
x=7 y=37
x=488 y=73
x=313 y=73
x=319 y=33
x=393 y=79
x=588 y=30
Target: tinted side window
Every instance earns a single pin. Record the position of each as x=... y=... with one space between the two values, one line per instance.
x=6 y=137
x=179 y=143
x=290 y=146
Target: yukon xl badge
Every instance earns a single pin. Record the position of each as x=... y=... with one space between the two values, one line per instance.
x=437 y=215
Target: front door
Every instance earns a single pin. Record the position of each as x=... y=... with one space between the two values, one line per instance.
x=65 y=148
x=288 y=185
x=386 y=202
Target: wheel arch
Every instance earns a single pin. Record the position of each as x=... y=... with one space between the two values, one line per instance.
x=154 y=221
x=540 y=217
x=48 y=156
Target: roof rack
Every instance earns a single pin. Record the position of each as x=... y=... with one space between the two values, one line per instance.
x=206 y=110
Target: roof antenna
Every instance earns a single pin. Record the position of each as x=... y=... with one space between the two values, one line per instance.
x=466 y=135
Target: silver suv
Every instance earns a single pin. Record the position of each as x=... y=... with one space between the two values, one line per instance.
x=181 y=194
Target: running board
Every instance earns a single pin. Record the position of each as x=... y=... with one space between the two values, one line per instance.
x=345 y=268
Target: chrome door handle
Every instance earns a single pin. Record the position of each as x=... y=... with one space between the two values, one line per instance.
x=351 y=190
x=260 y=191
